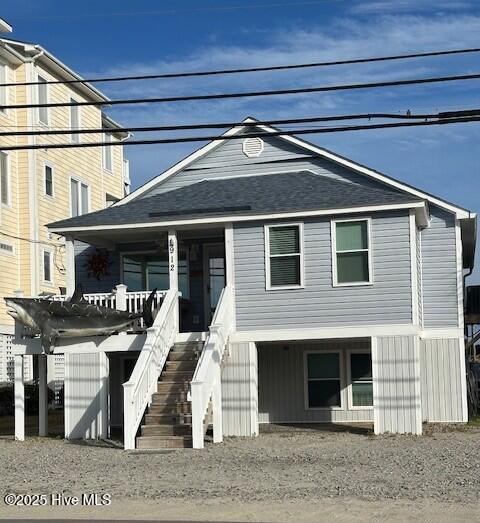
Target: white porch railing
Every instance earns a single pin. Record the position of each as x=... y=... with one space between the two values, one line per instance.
x=121 y=299
x=142 y=384
x=206 y=385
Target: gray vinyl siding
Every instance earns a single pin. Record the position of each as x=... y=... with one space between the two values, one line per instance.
x=443 y=381
x=240 y=391
x=439 y=271
x=228 y=160
x=396 y=382
x=319 y=303
x=86 y=395
x=281 y=383
x=90 y=283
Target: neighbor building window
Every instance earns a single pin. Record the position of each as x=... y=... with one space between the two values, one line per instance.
x=47 y=266
x=107 y=153
x=323 y=380
x=4 y=179
x=351 y=252
x=3 y=90
x=74 y=120
x=110 y=200
x=284 y=257
x=78 y=197
x=361 y=379
x=48 y=180
x=42 y=99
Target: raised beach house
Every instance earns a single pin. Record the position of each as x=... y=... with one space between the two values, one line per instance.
x=294 y=286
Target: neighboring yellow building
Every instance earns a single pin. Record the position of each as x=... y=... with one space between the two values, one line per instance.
x=45 y=185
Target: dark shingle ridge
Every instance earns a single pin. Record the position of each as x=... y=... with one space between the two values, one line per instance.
x=254 y=194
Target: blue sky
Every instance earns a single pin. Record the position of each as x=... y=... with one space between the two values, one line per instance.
x=124 y=37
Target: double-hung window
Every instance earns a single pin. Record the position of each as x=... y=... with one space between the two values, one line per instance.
x=78 y=197
x=74 y=121
x=48 y=181
x=107 y=153
x=351 y=252
x=323 y=380
x=4 y=179
x=47 y=267
x=361 y=382
x=42 y=99
x=284 y=256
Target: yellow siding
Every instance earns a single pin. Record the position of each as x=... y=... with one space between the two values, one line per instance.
x=83 y=164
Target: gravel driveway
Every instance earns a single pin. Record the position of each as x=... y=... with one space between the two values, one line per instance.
x=285 y=463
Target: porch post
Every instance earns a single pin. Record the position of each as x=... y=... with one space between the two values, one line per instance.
x=42 y=395
x=173 y=266
x=229 y=266
x=19 y=392
x=70 y=264
x=217 y=410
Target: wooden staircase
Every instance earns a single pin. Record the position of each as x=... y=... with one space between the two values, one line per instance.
x=168 y=419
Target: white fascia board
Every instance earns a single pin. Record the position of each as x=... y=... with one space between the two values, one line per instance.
x=242 y=218
x=180 y=165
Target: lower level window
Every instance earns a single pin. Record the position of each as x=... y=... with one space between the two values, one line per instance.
x=323 y=379
x=361 y=379
x=47 y=266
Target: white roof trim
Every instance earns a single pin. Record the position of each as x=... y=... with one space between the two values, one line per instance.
x=420 y=207
x=460 y=213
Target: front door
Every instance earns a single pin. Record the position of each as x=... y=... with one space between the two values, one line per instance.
x=214 y=277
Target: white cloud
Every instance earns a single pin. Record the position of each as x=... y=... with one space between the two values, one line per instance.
x=416 y=6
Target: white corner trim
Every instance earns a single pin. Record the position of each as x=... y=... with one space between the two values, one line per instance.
x=459 y=256
x=463 y=377
x=414 y=268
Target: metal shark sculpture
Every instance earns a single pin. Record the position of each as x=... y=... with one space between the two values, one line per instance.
x=73 y=318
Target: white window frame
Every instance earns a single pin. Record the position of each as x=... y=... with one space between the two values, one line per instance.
x=268 y=285
x=80 y=182
x=104 y=151
x=47 y=87
x=49 y=196
x=333 y=233
x=349 y=379
x=5 y=90
x=8 y=203
x=341 y=365
x=75 y=138
x=50 y=253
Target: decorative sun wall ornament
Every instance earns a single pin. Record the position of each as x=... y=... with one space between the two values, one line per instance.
x=98 y=264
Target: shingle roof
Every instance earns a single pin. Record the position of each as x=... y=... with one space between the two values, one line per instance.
x=273 y=193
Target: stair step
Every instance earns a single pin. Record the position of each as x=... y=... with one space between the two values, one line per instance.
x=188 y=345
x=166 y=430
x=183 y=356
x=172 y=387
x=180 y=407
x=172 y=396
x=164 y=442
x=176 y=375
x=172 y=419
x=181 y=365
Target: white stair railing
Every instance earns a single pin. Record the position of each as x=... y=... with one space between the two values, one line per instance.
x=142 y=384
x=205 y=385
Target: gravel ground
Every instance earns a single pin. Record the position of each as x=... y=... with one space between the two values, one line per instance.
x=286 y=463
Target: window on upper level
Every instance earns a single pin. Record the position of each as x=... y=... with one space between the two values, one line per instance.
x=74 y=120
x=42 y=90
x=107 y=153
x=3 y=80
x=79 y=197
x=4 y=179
x=48 y=187
x=284 y=256
x=351 y=252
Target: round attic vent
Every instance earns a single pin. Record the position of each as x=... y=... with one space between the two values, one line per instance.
x=252 y=147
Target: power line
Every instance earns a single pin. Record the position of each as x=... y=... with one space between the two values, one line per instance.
x=288 y=121
x=242 y=136
x=250 y=94
x=249 y=69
